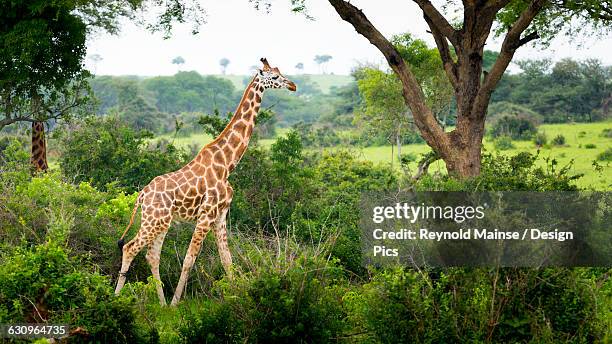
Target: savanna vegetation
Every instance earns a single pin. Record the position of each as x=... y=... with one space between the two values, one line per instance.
x=294 y=222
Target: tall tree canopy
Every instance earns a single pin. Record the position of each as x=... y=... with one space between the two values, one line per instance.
x=43 y=47
x=461 y=49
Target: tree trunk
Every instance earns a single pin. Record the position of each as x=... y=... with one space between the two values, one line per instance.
x=398 y=141
x=461 y=148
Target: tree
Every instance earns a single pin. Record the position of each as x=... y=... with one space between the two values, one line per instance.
x=461 y=48
x=43 y=46
x=300 y=67
x=179 y=60
x=224 y=62
x=321 y=60
x=385 y=111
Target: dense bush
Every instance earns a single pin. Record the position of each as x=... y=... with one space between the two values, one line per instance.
x=505 y=173
x=471 y=305
x=291 y=298
x=518 y=126
x=540 y=139
x=605 y=155
x=43 y=284
x=503 y=143
x=558 y=140
x=104 y=150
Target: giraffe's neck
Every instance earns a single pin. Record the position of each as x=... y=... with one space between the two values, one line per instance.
x=39 y=147
x=234 y=139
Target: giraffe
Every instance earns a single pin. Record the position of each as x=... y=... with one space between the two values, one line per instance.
x=39 y=147
x=198 y=191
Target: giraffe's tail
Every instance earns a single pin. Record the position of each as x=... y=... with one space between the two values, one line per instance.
x=121 y=241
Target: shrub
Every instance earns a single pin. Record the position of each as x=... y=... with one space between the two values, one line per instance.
x=459 y=305
x=581 y=134
x=605 y=155
x=540 y=139
x=407 y=158
x=508 y=173
x=518 y=127
x=503 y=143
x=293 y=299
x=590 y=146
x=559 y=140
x=105 y=150
x=607 y=132
x=43 y=284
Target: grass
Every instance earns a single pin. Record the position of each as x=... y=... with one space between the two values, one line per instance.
x=577 y=137
x=325 y=81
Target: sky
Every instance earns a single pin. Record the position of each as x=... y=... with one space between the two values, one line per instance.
x=234 y=29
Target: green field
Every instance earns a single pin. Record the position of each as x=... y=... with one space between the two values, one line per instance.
x=325 y=81
x=573 y=150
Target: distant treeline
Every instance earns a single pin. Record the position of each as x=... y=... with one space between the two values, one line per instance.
x=569 y=90
x=565 y=91
x=156 y=103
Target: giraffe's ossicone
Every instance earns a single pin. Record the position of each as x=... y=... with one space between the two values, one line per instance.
x=199 y=191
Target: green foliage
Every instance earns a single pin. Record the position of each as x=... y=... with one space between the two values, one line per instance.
x=104 y=150
x=316 y=135
x=457 y=304
x=607 y=132
x=502 y=143
x=513 y=120
x=558 y=140
x=503 y=173
x=590 y=146
x=44 y=34
x=540 y=139
x=568 y=91
x=298 y=300
x=42 y=285
x=605 y=155
x=191 y=92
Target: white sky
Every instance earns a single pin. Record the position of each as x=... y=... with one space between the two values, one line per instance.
x=235 y=30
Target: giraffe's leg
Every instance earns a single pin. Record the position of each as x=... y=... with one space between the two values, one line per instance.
x=153 y=255
x=221 y=234
x=202 y=228
x=130 y=250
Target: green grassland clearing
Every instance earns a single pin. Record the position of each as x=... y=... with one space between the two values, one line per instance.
x=577 y=136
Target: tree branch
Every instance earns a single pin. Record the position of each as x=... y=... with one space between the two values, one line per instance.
x=511 y=42
x=413 y=95
x=447 y=60
x=438 y=21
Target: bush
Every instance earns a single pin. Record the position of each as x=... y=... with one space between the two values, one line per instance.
x=559 y=140
x=458 y=305
x=407 y=158
x=503 y=143
x=42 y=284
x=291 y=300
x=605 y=155
x=590 y=146
x=105 y=150
x=516 y=121
x=540 y=139
x=607 y=132
x=504 y=173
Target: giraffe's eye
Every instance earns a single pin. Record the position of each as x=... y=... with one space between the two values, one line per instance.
x=275 y=77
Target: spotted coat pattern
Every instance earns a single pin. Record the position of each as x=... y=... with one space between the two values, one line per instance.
x=39 y=147
x=199 y=191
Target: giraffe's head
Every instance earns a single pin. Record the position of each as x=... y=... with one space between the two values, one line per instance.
x=272 y=78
